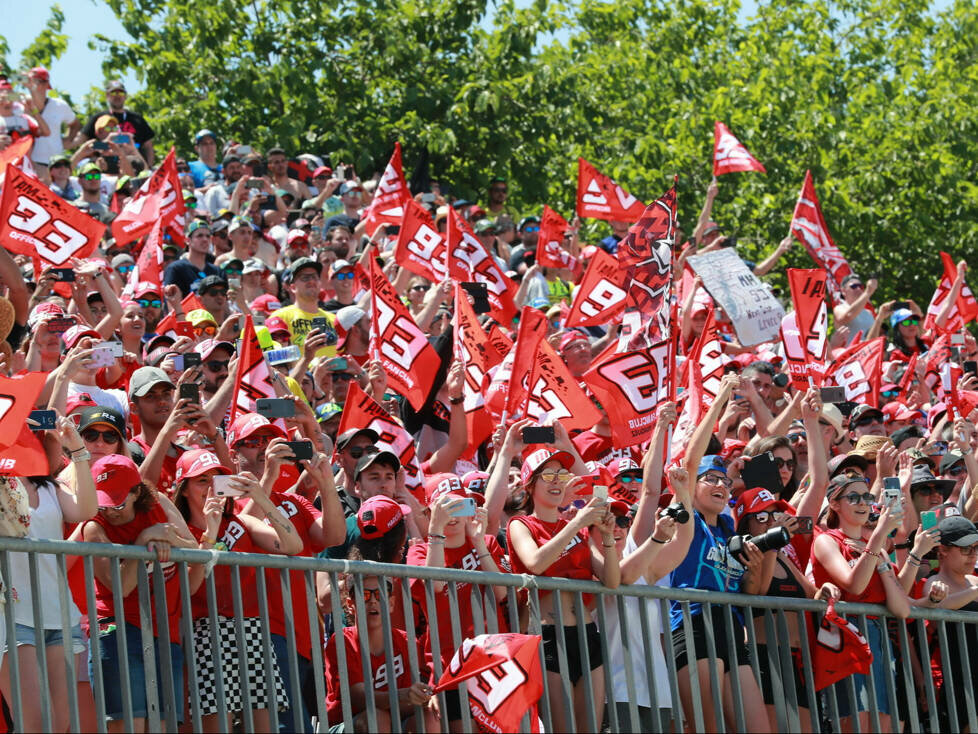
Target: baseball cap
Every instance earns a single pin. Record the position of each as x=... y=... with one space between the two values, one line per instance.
x=102 y=416
x=328 y=410
x=143 y=380
x=43 y=312
x=475 y=481
x=276 y=324
x=201 y=134
x=195 y=462
x=372 y=457
x=322 y=171
x=532 y=219
x=347 y=186
x=617 y=467
x=484 y=226
x=39 y=72
x=540 y=457
x=247 y=424
x=438 y=485
x=122 y=258
x=840 y=482
x=79 y=400
x=949 y=459
x=338 y=265
x=238 y=223
x=201 y=316
x=346 y=317
x=266 y=303
x=253 y=265
x=958 y=531
x=378 y=515
x=197 y=224
x=844 y=461
x=115 y=85
x=144 y=288
x=344 y=438
x=711 y=462
x=76 y=332
x=207 y=347
x=570 y=337
x=901 y=314
x=115 y=477
x=758 y=500
x=861 y=411
x=897 y=411
x=210 y=281
x=297 y=235
x=299 y=264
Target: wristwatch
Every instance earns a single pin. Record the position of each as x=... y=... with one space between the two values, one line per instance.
x=456 y=401
x=80 y=455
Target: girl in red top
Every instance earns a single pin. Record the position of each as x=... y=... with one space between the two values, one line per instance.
x=545 y=544
x=854 y=560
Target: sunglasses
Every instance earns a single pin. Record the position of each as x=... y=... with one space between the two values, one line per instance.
x=91 y=176
x=623 y=521
x=358 y=451
x=717 y=480
x=147 y=303
x=929 y=490
x=254 y=442
x=854 y=498
x=531 y=228
x=371 y=594
x=217 y=293
x=781 y=463
x=342 y=376
x=229 y=271
x=629 y=478
x=345 y=276
x=420 y=288
x=867 y=421
x=561 y=475
x=93 y=434
x=856 y=286
x=217 y=365
x=123 y=269
x=957 y=471
x=797 y=437
x=890 y=393
x=763 y=516
x=910 y=322
x=210 y=330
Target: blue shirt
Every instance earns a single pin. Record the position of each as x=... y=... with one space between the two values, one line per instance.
x=204 y=174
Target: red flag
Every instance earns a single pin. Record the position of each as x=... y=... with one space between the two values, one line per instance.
x=395 y=339
x=254 y=379
x=550 y=242
x=808 y=227
x=419 y=247
x=362 y=411
x=169 y=322
x=965 y=308
x=469 y=261
x=500 y=343
x=503 y=679
x=555 y=393
x=730 y=155
x=600 y=299
x=803 y=332
x=149 y=266
x=25 y=457
x=390 y=197
x=36 y=221
x=16 y=154
x=160 y=197
x=938 y=354
x=17 y=396
x=473 y=350
x=533 y=329
x=599 y=197
x=859 y=370
x=629 y=386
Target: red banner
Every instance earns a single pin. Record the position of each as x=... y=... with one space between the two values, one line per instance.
x=555 y=393
x=473 y=350
x=965 y=308
x=533 y=330
x=149 y=266
x=550 y=242
x=859 y=370
x=160 y=197
x=600 y=299
x=730 y=155
x=395 y=339
x=253 y=379
x=500 y=345
x=803 y=332
x=16 y=154
x=629 y=386
x=808 y=227
x=169 y=322
x=392 y=194
x=419 y=247
x=17 y=396
x=36 y=221
x=599 y=197
x=469 y=261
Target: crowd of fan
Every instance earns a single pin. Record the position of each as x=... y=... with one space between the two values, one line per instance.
x=132 y=461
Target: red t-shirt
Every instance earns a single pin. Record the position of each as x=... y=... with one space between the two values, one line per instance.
x=874 y=593
x=593 y=447
x=168 y=471
x=126 y=535
x=354 y=668
x=236 y=538
x=465 y=557
x=574 y=561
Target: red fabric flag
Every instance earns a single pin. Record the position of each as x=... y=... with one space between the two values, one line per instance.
x=555 y=393
x=500 y=345
x=550 y=242
x=859 y=370
x=395 y=339
x=472 y=349
x=419 y=247
x=362 y=411
x=629 y=386
x=730 y=155
x=808 y=226
x=16 y=154
x=254 y=378
x=965 y=308
x=160 y=197
x=25 y=457
x=169 y=322
x=599 y=197
x=149 y=266
x=600 y=299
x=469 y=261
x=36 y=221
x=533 y=329
x=803 y=332
x=938 y=354
x=497 y=391
x=390 y=197
x=17 y=396
x=503 y=679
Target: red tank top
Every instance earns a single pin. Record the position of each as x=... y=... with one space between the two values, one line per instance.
x=574 y=561
x=874 y=593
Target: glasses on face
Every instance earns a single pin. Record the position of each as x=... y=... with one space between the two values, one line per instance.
x=216 y=293
x=217 y=365
x=957 y=471
x=91 y=176
x=358 y=451
x=781 y=463
x=230 y=271
x=371 y=595
x=629 y=478
x=867 y=421
x=856 y=286
x=150 y=303
x=763 y=517
x=910 y=322
x=717 y=480
x=854 y=498
x=531 y=228
x=345 y=376
x=420 y=288
x=797 y=437
x=890 y=393
x=124 y=269
x=349 y=275
x=555 y=475
x=91 y=435
x=209 y=329
x=306 y=277
x=928 y=490
x=623 y=521
x=183 y=169
x=254 y=442
x=971 y=550
x=117 y=508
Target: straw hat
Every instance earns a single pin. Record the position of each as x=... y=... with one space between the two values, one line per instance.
x=6 y=318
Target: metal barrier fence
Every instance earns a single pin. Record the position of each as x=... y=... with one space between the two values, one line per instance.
x=909 y=688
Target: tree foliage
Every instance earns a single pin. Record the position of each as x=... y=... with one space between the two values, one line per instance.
x=877 y=97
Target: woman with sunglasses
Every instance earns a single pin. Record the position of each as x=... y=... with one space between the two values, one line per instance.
x=905 y=335
x=417 y=288
x=101 y=430
x=843 y=555
x=545 y=544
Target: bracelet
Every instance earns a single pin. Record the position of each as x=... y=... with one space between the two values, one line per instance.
x=439 y=541
x=913 y=562
x=456 y=401
x=917 y=558
x=436 y=535
x=485 y=555
x=660 y=542
x=208 y=541
x=608 y=545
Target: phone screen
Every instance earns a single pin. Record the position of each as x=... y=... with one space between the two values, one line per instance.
x=761 y=471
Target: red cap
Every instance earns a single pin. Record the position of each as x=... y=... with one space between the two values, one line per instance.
x=476 y=212
x=206 y=348
x=475 y=481
x=322 y=171
x=897 y=411
x=758 y=500
x=79 y=400
x=569 y=338
x=195 y=462
x=40 y=73
x=378 y=515
x=296 y=235
x=441 y=484
x=266 y=304
x=730 y=445
x=275 y=324
x=115 y=477
x=617 y=467
x=540 y=457
x=76 y=332
x=247 y=424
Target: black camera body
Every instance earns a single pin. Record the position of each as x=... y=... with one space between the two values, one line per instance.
x=773 y=539
x=677 y=512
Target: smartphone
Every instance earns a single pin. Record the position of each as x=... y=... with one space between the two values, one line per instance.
x=538 y=434
x=897 y=305
x=320 y=323
x=44 y=419
x=223 y=488
x=291 y=353
x=928 y=519
x=65 y=275
x=601 y=492
x=339 y=364
x=99 y=145
x=832 y=394
x=253 y=184
x=761 y=471
x=480 y=296
x=183 y=362
x=59 y=325
x=340 y=172
x=466 y=508
x=184 y=328
x=891 y=493
x=190 y=391
x=970 y=365
x=301 y=449
x=428 y=198
x=805 y=525
x=275 y=408
x=103 y=355
x=957 y=340
x=123 y=138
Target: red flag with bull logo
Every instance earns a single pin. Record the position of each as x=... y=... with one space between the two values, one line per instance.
x=550 y=241
x=599 y=197
x=729 y=154
x=392 y=194
x=808 y=226
x=420 y=248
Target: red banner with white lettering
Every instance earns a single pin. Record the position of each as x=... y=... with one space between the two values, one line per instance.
x=473 y=350
x=253 y=379
x=395 y=339
x=701 y=375
x=803 y=332
x=965 y=308
x=599 y=197
x=550 y=242
x=160 y=197
x=503 y=680
x=500 y=343
x=730 y=155
x=860 y=370
x=469 y=261
x=34 y=221
x=555 y=393
x=16 y=154
x=17 y=396
x=420 y=248
x=600 y=298
x=629 y=386
x=149 y=265
x=533 y=330
x=808 y=226
x=392 y=194
x=362 y=411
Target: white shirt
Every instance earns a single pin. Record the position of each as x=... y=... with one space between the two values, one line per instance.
x=56 y=113
x=115 y=399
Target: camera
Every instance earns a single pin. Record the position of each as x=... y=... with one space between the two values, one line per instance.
x=677 y=512
x=780 y=380
x=773 y=539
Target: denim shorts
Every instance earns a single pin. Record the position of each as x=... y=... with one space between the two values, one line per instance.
x=26 y=635
x=113 y=672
